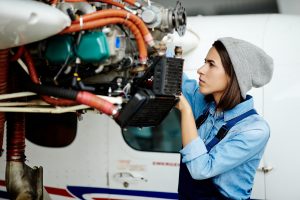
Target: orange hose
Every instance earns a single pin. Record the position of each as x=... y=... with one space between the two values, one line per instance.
x=53 y=2
x=117 y=4
x=4 y=65
x=122 y=14
x=15 y=147
x=104 y=1
x=143 y=54
x=75 y=1
x=131 y=2
x=35 y=79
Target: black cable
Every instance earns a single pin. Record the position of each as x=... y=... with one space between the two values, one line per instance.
x=52 y=91
x=132 y=47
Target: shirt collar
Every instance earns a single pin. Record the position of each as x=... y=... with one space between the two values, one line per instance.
x=239 y=109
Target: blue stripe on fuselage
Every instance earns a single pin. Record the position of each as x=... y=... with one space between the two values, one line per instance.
x=80 y=191
x=3 y=195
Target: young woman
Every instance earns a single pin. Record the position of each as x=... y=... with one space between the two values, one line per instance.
x=223 y=137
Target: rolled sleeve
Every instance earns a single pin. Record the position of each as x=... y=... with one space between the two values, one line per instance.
x=193 y=150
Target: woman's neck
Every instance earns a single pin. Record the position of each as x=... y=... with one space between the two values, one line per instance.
x=217 y=97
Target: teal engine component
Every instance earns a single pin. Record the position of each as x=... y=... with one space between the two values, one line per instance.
x=92 y=48
x=60 y=49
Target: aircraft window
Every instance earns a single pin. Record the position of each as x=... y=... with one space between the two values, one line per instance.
x=164 y=138
x=51 y=130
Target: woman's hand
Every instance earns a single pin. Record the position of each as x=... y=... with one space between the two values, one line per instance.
x=183 y=104
x=188 y=126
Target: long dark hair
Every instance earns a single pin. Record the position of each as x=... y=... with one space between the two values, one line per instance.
x=232 y=95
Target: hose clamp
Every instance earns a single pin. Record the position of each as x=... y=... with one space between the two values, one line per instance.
x=127 y=16
x=81 y=22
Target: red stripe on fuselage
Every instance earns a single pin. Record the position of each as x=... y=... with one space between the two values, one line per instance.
x=58 y=191
x=50 y=190
x=2 y=183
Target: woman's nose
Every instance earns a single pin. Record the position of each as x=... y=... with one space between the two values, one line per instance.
x=201 y=70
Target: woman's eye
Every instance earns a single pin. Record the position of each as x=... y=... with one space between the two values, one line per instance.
x=210 y=64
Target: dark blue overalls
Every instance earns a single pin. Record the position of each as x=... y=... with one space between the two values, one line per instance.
x=191 y=189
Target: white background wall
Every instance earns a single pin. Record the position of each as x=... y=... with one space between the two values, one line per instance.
x=289 y=6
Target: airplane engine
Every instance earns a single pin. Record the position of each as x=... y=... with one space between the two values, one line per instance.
x=111 y=48
x=76 y=54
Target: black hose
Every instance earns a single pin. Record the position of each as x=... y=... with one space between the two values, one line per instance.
x=52 y=91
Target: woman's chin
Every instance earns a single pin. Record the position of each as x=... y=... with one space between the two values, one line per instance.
x=203 y=91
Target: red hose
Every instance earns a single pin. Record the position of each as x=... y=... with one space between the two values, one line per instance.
x=100 y=104
x=18 y=54
x=4 y=54
x=16 y=137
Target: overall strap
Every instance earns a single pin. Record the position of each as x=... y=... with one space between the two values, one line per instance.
x=201 y=119
x=225 y=128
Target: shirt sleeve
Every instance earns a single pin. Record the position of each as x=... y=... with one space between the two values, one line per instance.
x=227 y=154
x=190 y=90
x=194 y=149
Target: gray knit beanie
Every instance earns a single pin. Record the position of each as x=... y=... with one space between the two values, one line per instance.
x=252 y=66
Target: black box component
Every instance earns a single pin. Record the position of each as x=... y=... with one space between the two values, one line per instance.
x=145 y=109
x=168 y=76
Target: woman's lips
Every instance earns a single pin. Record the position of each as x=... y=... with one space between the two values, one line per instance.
x=201 y=81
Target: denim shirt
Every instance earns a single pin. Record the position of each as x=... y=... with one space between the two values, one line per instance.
x=231 y=163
